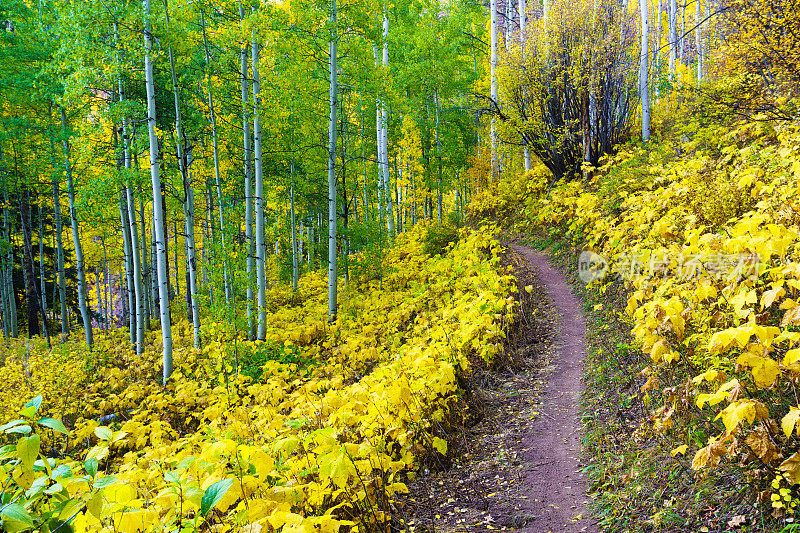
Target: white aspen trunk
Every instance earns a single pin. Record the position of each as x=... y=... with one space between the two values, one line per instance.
x=438 y=160
x=188 y=200
x=261 y=245
x=295 y=265
x=673 y=45
x=379 y=141
x=137 y=272
x=332 y=122
x=523 y=35
x=387 y=179
x=644 y=72
x=138 y=307
x=698 y=39
x=248 y=185
x=129 y=290
x=509 y=16
x=545 y=11
x=495 y=169
x=107 y=290
x=146 y=274
x=217 y=181
x=158 y=215
x=682 y=34
x=76 y=240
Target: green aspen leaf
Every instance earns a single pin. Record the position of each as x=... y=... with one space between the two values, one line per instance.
x=214 y=494
x=14 y=512
x=28 y=450
x=53 y=424
x=24 y=429
x=103 y=433
x=91 y=466
x=95 y=505
x=103 y=482
x=5 y=427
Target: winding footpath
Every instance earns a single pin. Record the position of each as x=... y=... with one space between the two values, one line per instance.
x=556 y=487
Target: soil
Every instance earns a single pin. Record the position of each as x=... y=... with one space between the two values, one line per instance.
x=519 y=466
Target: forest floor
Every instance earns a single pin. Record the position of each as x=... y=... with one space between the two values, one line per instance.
x=518 y=466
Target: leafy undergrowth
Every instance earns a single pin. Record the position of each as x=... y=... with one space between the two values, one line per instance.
x=316 y=432
x=696 y=424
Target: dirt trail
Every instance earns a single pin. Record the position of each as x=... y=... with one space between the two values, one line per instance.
x=518 y=467
x=557 y=487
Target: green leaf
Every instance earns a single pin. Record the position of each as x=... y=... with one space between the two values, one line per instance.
x=91 y=466
x=53 y=424
x=32 y=406
x=214 y=494
x=103 y=482
x=28 y=450
x=24 y=429
x=16 y=513
x=61 y=471
x=103 y=433
x=5 y=427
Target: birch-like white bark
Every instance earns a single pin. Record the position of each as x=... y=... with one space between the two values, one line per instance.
x=332 y=123
x=158 y=214
x=248 y=185
x=493 y=88
x=644 y=71
x=261 y=245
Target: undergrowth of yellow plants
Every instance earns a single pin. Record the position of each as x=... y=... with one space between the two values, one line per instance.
x=314 y=429
x=702 y=228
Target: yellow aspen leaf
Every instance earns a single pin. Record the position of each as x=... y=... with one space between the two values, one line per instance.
x=791 y=357
x=760 y=443
x=680 y=450
x=722 y=393
x=769 y=297
x=764 y=369
x=703 y=458
x=737 y=412
x=440 y=445
x=791 y=467
x=789 y=421
x=658 y=350
x=708 y=375
x=134 y=521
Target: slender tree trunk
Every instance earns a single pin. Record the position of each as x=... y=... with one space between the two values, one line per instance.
x=495 y=167
x=42 y=283
x=76 y=241
x=295 y=264
x=147 y=275
x=248 y=187
x=261 y=245
x=523 y=26
x=29 y=276
x=130 y=294
x=332 y=122
x=387 y=180
x=158 y=215
x=673 y=44
x=136 y=271
x=438 y=160
x=698 y=39
x=62 y=283
x=217 y=181
x=644 y=72
x=188 y=204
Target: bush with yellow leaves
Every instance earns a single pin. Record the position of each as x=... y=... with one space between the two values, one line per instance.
x=340 y=415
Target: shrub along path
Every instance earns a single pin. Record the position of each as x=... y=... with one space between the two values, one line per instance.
x=517 y=464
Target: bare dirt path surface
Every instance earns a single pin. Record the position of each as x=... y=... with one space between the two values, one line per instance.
x=517 y=465
x=557 y=486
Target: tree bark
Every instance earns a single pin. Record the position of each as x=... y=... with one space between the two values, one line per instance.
x=76 y=241
x=644 y=71
x=332 y=122
x=261 y=245
x=158 y=215
x=248 y=187
x=495 y=168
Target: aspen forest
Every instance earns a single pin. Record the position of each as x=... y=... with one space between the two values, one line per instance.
x=422 y=266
